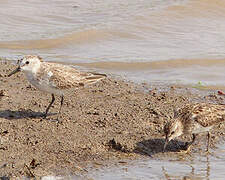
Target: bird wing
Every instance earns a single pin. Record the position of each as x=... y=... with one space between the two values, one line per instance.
x=208 y=114
x=65 y=77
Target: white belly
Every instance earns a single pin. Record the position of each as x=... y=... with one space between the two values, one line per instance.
x=43 y=85
x=200 y=129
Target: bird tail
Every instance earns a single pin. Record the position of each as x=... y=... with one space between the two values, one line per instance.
x=94 y=77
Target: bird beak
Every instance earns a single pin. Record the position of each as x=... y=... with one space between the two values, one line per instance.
x=15 y=71
x=166 y=142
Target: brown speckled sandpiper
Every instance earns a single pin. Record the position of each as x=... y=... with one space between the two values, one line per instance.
x=194 y=119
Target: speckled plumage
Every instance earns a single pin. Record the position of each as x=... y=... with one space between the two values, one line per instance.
x=63 y=77
x=194 y=119
x=54 y=78
x=206 y=115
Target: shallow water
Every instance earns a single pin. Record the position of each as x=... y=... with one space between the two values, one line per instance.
x=168 y=41
x=197 y=167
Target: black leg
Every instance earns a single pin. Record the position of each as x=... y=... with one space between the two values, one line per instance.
x=188 y=144
x=193 y=138
x=61 y=104
x=208 y=141
x=49 y=106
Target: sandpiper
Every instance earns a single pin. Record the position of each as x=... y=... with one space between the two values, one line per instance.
x=54 y=78
x=194 y=119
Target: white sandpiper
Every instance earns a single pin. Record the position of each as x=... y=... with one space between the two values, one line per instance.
x=54 y=78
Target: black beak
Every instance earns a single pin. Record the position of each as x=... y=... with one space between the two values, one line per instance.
x=15 y=71
x=166 y=142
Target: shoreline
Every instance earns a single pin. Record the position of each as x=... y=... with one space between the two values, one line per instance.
x=109 y=121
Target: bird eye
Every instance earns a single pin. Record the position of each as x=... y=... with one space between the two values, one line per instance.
x=172 y=132
x=27 y=62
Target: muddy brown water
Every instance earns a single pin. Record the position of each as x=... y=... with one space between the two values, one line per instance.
x=175 y=41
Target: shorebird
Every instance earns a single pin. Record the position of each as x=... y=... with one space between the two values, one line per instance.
x=54 y=78
x=194 y=119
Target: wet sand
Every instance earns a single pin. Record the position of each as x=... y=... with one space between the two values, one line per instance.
x=113 y=120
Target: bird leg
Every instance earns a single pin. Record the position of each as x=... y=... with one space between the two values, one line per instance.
x=61 y=104
x=188 y=144
x=193 y=138
x=49 y=106
x=208 y=142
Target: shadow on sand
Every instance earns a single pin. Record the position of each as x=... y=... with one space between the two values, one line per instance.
x=154 y=146
x=4 y=178
x=20 y=114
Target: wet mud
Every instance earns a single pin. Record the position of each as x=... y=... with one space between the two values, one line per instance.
x=113 y=120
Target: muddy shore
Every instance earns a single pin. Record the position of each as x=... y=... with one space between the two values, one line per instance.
x=111 y=120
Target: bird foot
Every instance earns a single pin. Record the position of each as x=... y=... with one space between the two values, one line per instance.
x=58 y=121
x=207 y=152
x=45 y=116
x=186 y=150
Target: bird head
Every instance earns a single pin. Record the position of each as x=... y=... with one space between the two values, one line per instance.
x=27 y=63
x=172 y=130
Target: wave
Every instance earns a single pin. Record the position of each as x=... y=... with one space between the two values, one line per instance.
x=87 y=36
x=167 y=64
x=78 y=37
x=196 y=8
